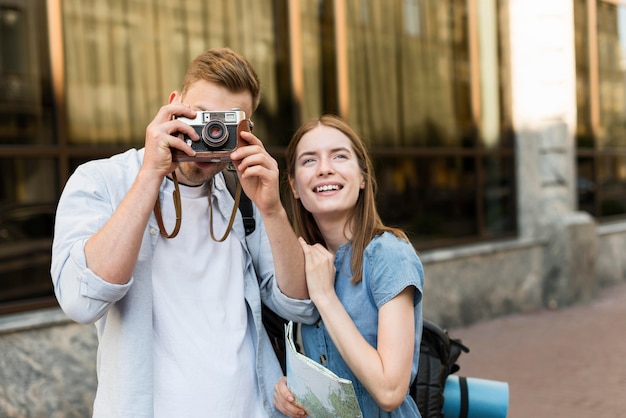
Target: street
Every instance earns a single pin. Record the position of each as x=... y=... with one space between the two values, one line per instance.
x=564 y=363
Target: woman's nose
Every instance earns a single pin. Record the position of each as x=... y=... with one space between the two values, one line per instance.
x=325 y=167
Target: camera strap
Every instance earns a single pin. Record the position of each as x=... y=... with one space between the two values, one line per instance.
x=177 y=207
x=237 y=197
x=179 y=212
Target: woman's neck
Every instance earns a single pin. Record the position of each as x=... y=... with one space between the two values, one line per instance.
x=335 y=233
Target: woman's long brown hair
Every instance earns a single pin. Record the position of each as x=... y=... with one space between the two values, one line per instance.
x=364 y=221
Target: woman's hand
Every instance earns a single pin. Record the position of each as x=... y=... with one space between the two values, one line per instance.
x=320 y=271
x=284 y=400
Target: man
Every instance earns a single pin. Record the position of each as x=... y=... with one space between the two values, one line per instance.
x=179 y=319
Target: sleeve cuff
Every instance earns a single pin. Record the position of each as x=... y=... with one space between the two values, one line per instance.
x=91 y=285
x=297 y=310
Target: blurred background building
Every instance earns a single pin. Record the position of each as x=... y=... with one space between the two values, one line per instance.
x=497 y=127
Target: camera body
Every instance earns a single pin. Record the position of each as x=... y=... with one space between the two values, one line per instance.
x=218 y=132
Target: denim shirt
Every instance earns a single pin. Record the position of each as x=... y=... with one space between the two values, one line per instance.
x=390 y=264
x=123 y=313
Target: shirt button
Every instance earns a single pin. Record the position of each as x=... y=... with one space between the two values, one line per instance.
x=152 y=231
x=322 y=359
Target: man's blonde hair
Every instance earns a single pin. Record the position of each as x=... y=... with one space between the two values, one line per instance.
x=226 y=68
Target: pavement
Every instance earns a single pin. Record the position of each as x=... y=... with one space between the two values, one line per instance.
x=563 y=363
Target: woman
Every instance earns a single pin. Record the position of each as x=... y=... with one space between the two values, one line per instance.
x=364 y=277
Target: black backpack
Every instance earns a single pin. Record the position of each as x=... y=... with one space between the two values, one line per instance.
x=438 y=355
x=274 y=324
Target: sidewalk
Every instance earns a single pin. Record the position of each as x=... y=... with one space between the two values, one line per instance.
x=566 y=363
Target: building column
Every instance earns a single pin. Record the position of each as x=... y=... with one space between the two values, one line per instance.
x=543 y=80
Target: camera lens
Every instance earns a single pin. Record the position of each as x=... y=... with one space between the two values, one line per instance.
x=214 y=134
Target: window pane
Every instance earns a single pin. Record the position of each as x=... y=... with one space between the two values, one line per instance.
x=410 y=85
x=584 y=133
x=409 y=72
x=27 y=203
x=612 y=74
x=612 y=185
x=499 y=203
x=25 y=99
x=431 y=197
x=124 y=58
x=586 y=185
x=601 y=127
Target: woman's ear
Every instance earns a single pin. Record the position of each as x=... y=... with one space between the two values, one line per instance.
x=293 y=187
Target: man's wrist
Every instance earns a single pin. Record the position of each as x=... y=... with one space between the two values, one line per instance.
x=277 y=213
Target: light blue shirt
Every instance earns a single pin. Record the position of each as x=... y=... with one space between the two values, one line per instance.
x=390 y=265
x=123 y=313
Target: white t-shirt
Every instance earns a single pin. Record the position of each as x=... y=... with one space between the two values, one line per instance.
x=204 y=355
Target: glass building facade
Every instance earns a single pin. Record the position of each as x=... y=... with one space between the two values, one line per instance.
x=425 y=82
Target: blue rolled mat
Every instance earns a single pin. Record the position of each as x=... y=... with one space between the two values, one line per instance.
x=471 y=397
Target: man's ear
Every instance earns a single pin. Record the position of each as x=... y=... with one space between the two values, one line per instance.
x=175 y=97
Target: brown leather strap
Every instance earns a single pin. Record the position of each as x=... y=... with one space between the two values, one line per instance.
x=232 y=215
x=177 y=207
x=179 y=217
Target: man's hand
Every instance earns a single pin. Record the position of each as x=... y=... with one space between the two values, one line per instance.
x=258 y=173
x=162 y=135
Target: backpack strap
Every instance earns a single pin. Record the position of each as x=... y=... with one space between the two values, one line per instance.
x=245 y=204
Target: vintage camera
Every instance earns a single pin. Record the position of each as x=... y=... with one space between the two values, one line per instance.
x=218 y=131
